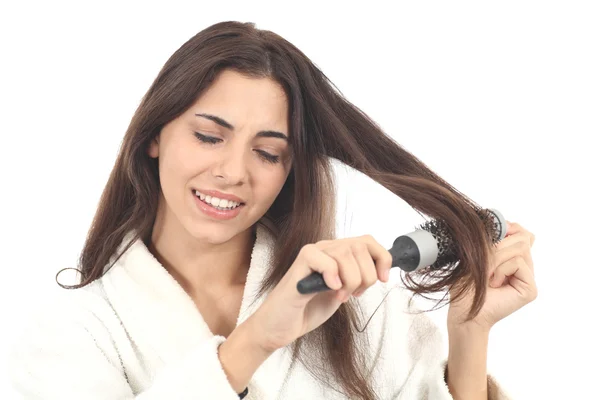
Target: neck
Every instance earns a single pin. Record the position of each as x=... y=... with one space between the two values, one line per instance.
x=198 y=266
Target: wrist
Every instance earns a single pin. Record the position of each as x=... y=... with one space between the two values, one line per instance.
x=241 y=355
x=469 y=328
x=257 y=335
x=468 y=341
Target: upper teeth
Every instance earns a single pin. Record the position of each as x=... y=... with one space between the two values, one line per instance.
x=216 y=202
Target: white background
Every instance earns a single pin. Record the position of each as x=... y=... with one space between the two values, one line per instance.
x=501 y=99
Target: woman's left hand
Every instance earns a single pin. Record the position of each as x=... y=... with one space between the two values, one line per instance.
x=511 y=281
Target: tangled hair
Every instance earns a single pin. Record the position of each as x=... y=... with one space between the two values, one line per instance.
x=323 y=126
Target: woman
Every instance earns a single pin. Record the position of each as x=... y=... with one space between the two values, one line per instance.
x=220 y=201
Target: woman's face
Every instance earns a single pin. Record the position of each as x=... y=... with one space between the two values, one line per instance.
x=242 y=152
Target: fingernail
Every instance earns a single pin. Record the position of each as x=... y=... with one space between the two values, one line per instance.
x=338 y=282
x=386 y=275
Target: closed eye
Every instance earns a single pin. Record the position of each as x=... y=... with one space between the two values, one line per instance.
x=268 y=157
x=207 y=139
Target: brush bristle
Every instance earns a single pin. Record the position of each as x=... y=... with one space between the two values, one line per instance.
x=492 y=225
x=448 y=250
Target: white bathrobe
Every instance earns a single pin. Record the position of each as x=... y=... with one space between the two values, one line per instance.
x=136 y=334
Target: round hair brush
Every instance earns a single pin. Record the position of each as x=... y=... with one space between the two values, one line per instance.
x=430 y=245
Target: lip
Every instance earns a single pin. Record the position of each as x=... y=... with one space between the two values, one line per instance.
x=221 y=195
x=214 y=213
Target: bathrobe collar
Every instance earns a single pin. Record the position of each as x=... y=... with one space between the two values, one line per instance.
x=158 y=312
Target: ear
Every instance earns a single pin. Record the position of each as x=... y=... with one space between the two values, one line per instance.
x=153 y=147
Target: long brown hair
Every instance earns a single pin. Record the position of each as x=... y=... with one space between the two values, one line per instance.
x=323 y=126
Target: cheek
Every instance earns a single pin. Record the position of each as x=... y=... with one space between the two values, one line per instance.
x=178 y=166
x=271 y=185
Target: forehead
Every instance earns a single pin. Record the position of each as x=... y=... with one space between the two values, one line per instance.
x=241 y=99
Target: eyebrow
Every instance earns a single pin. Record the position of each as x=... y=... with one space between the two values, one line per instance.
x=225 y=124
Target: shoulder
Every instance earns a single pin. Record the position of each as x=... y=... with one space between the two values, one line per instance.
x=68 y=342
x=67 y=321
x=83 y=306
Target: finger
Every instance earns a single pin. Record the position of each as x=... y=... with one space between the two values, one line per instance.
x=366 y=266
x=514 y=228
x=512 y=239
x=314 y=259
x=380 y=255
x=520 y=277
x=348 y=269
x=513 y=249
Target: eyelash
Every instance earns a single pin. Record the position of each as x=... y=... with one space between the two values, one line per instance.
x=270 y=158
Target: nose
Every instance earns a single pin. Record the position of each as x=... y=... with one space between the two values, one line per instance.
x=231 y=165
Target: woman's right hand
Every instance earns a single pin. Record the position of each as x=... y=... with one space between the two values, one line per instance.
x=286 y=315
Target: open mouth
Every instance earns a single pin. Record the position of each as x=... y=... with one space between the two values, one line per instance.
x=216 y=203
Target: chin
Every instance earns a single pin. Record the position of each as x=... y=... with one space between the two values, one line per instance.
x=212 y=234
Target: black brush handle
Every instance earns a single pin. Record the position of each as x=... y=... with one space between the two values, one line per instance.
x=405 y=255
x=312 y=284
